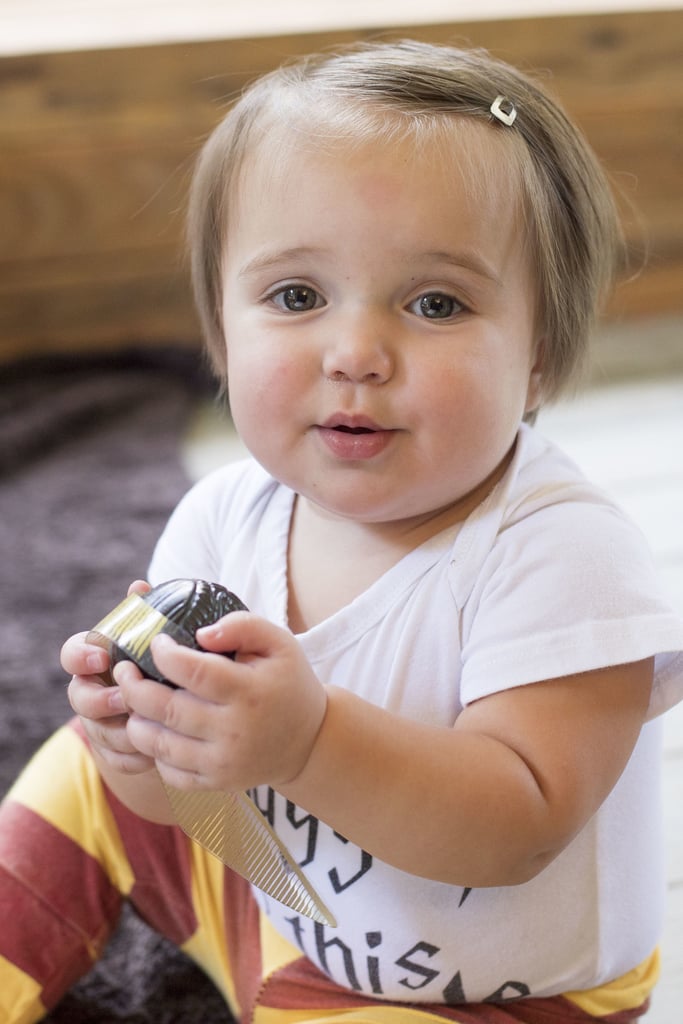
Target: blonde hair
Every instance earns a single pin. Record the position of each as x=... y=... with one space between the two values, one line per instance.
x=573 y=235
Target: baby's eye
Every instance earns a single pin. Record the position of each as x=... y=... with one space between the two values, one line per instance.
x=436 y=306
x=297 y=298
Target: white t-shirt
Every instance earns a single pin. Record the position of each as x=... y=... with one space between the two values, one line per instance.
x=545 y=578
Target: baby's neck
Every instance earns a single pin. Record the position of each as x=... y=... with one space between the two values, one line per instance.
x=331 y=561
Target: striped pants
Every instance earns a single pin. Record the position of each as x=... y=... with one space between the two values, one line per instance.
x=70 y=853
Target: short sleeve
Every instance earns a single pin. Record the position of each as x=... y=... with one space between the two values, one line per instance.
x=568 y=586
x=192 y=542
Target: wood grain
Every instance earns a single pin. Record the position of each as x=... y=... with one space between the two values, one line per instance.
x=96 y=149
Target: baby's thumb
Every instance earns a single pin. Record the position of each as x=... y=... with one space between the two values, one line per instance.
x=236 y=633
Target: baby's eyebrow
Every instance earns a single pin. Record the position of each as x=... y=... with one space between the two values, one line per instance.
x=268 y=260
x=465 y=260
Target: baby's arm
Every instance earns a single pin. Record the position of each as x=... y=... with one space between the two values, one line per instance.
x=489 y=802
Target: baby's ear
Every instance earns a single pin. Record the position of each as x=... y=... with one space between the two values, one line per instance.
x=534 y=395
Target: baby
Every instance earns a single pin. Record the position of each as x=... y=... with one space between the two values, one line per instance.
x=446 y=695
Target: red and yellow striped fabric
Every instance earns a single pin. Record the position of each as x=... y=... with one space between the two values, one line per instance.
x=70 y=852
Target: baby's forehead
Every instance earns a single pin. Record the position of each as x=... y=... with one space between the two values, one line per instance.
x=485 y=162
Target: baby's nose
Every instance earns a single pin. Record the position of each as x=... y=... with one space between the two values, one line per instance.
x=360 y=353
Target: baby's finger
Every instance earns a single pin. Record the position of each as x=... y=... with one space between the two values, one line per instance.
x=210 y=677
x=147 y=698
x=133 y=763
x=90 y=699
x=155 y=704
x=139 y=587
x=79 y=658
x=110 y=734
x=114 y=746
x=244 y=635
x=237 y=631
x=180 y=759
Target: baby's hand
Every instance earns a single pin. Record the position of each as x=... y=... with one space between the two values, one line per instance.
x=101 y=707
x=234 y=723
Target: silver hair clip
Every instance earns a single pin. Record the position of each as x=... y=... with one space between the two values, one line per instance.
x=504 y=109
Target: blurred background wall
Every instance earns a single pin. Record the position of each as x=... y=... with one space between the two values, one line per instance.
x=103 y=106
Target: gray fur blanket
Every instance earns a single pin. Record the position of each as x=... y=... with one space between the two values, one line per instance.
x=89 y=472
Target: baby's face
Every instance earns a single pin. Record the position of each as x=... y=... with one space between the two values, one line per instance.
x=379 y=321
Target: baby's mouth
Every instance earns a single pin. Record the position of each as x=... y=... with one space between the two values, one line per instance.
x=354 y=430
x=354 y=438
x=351 y=424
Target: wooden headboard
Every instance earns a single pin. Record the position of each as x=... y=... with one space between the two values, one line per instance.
x=96 y=148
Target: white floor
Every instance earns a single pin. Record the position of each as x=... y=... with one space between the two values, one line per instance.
x=629 y=438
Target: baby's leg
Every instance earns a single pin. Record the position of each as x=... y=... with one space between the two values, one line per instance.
x=69 y=854
x=60 y=892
